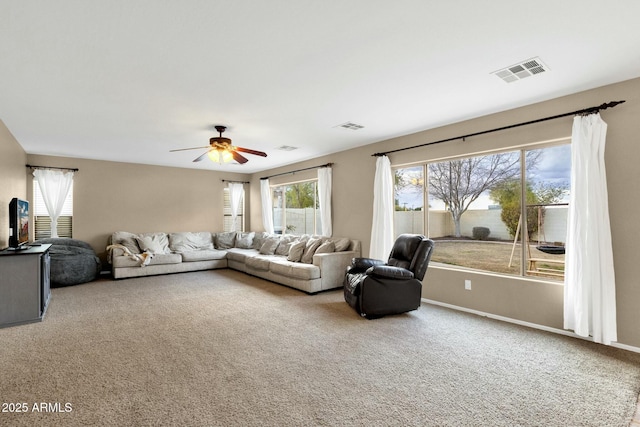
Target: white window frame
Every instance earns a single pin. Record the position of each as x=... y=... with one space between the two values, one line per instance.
x=42 y=220
x=283 y=186
x=521 y=149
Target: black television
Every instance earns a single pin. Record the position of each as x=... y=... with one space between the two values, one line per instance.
x=18 y=223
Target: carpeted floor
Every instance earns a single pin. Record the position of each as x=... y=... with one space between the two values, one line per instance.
x=221 y=348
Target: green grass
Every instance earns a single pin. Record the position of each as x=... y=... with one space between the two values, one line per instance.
x=490 y=256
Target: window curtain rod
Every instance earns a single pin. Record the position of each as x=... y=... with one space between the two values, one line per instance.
x=52 y=167
x=584 y=111
x=237 y=182
x=298 y=170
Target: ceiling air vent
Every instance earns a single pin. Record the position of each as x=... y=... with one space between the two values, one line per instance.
x=286 y=148
x=522 y=70
x=350 y=126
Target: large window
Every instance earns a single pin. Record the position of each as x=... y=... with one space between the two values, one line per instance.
x=42 y=220
x=296 y=208
x=475 y=211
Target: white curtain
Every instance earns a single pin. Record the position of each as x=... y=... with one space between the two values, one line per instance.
x=589 y=291
x=324 y=194
x=54 y=186
x=267 y=206
x=236 y=190
x=382 y=237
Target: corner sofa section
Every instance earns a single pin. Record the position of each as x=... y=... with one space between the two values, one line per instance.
x=308 y=263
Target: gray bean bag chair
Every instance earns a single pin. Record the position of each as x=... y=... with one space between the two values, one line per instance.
x=72 y=262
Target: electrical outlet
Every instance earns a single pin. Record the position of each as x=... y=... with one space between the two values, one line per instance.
x=467 y=285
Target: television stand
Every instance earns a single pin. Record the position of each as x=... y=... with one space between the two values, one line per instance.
x=25 y=287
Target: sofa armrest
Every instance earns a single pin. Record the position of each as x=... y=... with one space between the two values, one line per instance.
x=333 y=267
x=113 y=252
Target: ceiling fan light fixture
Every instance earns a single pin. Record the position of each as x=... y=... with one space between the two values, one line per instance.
x=227 y=156
x=214 y=155
x=220 y=140
x=221 y=150
x=220 y=155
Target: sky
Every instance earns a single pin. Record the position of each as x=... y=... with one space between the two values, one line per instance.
x=554 y=168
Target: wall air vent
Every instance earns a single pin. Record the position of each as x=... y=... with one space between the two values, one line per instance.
x=286 y=148
x=522 y=70
x=350 y=126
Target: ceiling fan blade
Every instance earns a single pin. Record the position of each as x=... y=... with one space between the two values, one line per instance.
x=184 y=149
x=239 y=157
x=250 y=151
x=201 y=157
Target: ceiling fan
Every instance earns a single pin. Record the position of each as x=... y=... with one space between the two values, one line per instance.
x=221 y=150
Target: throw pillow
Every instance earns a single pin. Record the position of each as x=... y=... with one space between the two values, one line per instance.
x=342 y=244
x=154 y=243
x=259 y=238
x=296 y=251
x=127 y=240
x=309 y=250
x=326 y=248
x=225 y=240
x=244 y=240
x=285 y=244
x=188 y=241
x=269 y=246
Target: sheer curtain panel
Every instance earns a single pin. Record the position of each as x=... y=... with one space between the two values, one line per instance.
x=382 y=229
x=235 y=196
x=54 y=186
x=267 y=206
x=324 y=196
x=589 y=286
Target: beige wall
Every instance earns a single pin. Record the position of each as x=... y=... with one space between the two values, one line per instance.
x=120 y=196
x=517 y=298
x=13 y=178
x=111 y=196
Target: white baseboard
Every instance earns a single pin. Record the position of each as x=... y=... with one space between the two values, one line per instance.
x=527 y=324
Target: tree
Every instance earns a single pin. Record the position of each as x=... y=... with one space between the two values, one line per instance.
x=507 y=195
x=301 y=195
x=458 y=183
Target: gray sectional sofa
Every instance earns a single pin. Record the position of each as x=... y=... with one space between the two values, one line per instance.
x=308 y=263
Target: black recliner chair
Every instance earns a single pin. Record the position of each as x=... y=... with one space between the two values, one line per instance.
x=375 y=288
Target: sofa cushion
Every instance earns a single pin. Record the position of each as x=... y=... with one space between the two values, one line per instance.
x=269 y=246
x=310 y=249
x=294 y=270
x=259 y=262
x=244 y=240
x=240 y=255
x=225 y=240
x=154 y=243
x=326 y=248
x=203 y=255
x=187 y=241
x=285 y=244
x=296 y=251
x=259 y=238
x=342 y=244
x=127 y=240
x=159 y=259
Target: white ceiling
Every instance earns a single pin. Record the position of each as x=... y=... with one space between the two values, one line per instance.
x=127 y=80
